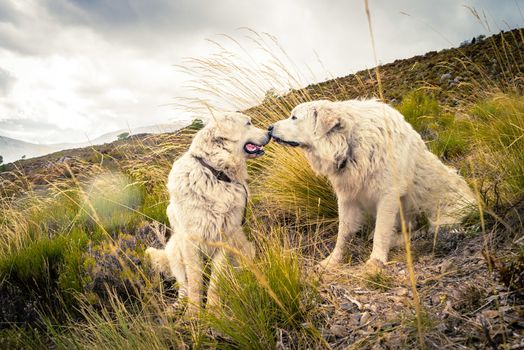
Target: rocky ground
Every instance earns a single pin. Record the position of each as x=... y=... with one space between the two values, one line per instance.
x=464 y=304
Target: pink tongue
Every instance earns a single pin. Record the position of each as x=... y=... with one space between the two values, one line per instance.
x=250 y=147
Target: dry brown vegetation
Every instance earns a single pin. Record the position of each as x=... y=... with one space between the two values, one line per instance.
x=75 y=223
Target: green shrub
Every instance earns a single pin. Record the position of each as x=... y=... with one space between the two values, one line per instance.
x=155 y=204
x=122 y=136
x=446 y=135
x=36 y=263
x=122 y=326
x=51 y=264
x=196 y=124
x=257 y=301
x=419 y=109
x=498 y=138
x=452 y=137
x=287 y=185
x=116 y=266
x=72 y=277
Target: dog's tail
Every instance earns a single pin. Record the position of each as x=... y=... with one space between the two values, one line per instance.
x=159 y=260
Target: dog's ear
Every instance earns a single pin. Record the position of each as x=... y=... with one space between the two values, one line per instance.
x=327 y=119
x=221 y=134
x=224 y=130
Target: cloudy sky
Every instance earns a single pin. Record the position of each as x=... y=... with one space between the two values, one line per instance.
x=75 y=69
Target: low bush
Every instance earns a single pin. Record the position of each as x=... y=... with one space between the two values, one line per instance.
x=267 y=304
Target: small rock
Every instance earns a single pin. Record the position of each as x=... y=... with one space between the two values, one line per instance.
x=490 y=314
x=366 y=316
x=354 y=301
x=338 y=331
x=437 y=299
x=442 y=327
x=354 y=319
x=456 y=294
x=400 y=291
x=445 y=77
x=347 y=306
x=377 y=346
x=446 y=266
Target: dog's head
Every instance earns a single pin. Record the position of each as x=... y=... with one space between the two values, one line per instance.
x=307 y=123
x=235 y=133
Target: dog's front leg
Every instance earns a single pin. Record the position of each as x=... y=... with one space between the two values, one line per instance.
x=218 y=263
x=387 y=210
x=246 y=248
x=349 y=220
x=194 y=270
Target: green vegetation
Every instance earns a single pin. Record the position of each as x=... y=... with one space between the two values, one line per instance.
x=378 y=280
x=75 y=226
x=32 y=264
x=290 y=187
x=122 y=136
x=272 y=288
x=499 y=141
x=196 y=124
x=445 y=134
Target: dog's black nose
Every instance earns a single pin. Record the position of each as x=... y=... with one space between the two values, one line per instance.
x=270 y=129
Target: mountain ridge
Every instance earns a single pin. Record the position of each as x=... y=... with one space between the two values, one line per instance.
x=12 y=149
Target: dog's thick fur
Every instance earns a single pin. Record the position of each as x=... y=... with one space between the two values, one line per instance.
x=208 y=192
x=376 y=162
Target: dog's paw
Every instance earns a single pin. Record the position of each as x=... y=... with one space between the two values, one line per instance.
x=158 y=259
x=150 y=251
x=374 y=265
x=192 y=311
x=177 y=308
x=328 y=263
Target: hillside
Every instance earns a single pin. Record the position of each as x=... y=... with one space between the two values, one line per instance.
x=75 y=224
x=12 y=149
x=451 y=75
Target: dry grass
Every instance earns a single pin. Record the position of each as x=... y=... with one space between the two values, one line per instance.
x=50 y=220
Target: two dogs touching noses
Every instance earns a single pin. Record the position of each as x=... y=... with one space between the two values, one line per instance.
x=366 y=149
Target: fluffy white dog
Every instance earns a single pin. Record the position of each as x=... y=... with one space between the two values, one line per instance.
x=377 y=164
x=208 y=196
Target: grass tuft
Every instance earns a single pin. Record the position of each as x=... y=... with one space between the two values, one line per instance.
x=268 y=304
x=378 y=280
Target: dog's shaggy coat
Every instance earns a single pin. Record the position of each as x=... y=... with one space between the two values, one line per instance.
x=208 y=193
x=376 y=163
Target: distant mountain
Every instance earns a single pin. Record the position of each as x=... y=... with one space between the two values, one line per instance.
x=13 y=149
x=150 y=129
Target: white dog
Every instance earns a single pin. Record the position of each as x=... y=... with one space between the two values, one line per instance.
x=377 y=164
x=208 y=196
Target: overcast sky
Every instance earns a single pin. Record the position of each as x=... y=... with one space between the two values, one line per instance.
x=72 y=69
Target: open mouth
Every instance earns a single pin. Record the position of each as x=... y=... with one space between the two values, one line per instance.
x=284 y=142
x=253 y=150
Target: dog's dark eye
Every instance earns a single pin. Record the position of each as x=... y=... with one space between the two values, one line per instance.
x=293 y=117
x=248 y=123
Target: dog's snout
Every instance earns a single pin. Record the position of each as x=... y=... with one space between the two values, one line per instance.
x=270 y=128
